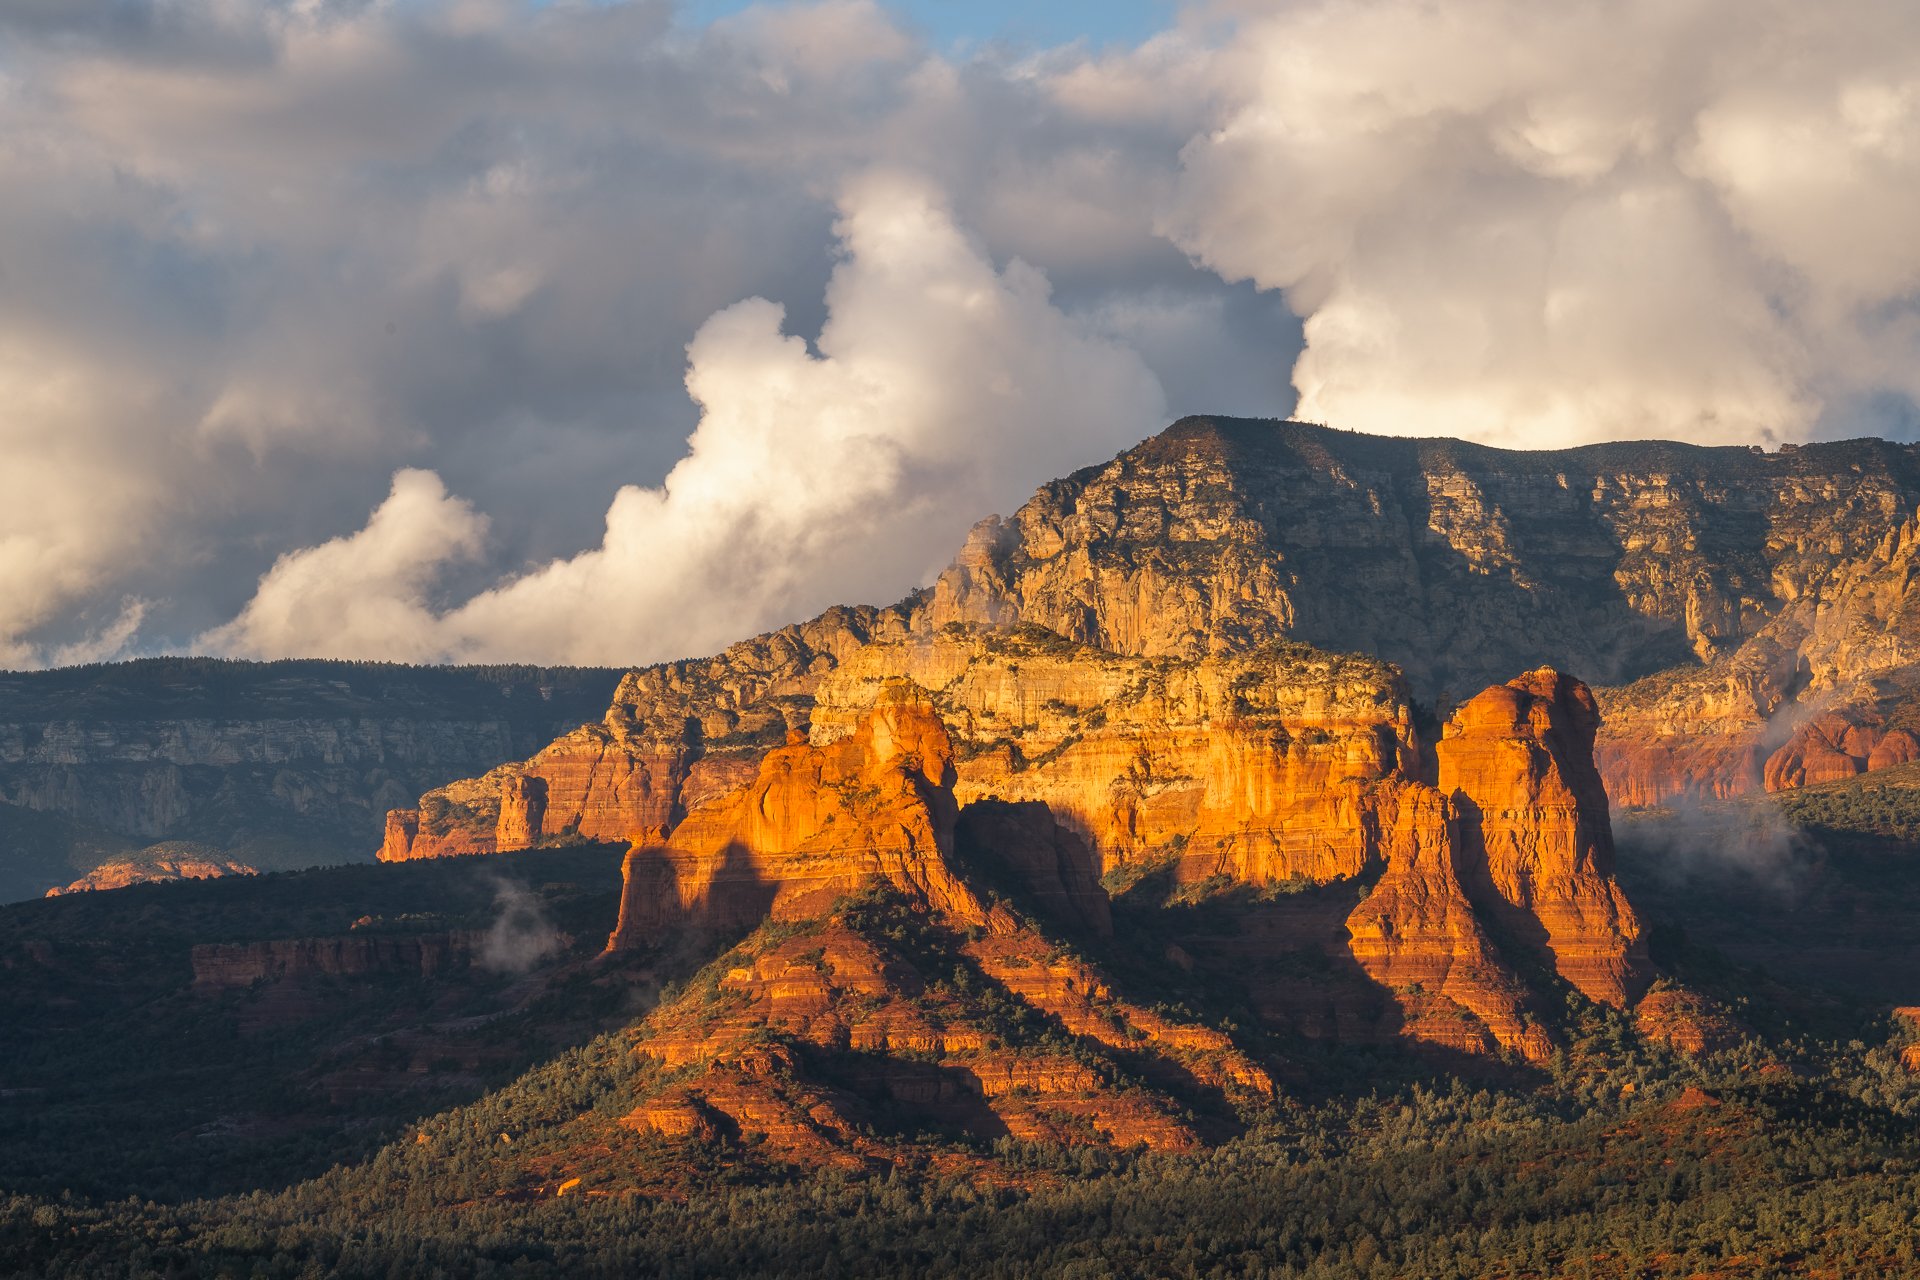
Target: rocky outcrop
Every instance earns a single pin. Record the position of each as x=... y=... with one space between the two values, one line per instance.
x=816 y=823
x=1418 y=935
x=1686 y=1021
x=598 y=783
x=1839 y=744
x=1452 y=560
x=1740 y=584
x=674 y=736
x=118 y=875
x=1536 y=839
x=916 y=1025
x=1247 y=766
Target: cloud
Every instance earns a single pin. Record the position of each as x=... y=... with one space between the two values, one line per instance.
x=256 y=259
x=521 y=935
x=941 y=387
x=1539 y=224
x=364 y=595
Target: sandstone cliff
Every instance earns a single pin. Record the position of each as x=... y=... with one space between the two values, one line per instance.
x=1248 y=766
x=674 y=735
x=1535 y=835
x=836 y=1041
x=1735 y=589
x=816 y=823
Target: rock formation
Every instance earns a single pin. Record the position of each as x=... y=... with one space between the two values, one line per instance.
x=1839 y=744
x=1535 y=836
x=674 y=736
x=118 y=875
x=1417 y=933
x=1247 y=766
x=813 y=825
x=1731 y=588
x=914 y=1024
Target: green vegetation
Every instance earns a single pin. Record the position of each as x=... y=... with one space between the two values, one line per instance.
x=1741 y=1178
x=1885 y=803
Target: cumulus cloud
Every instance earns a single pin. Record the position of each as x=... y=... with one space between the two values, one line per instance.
x=364 y=595
x=255 y=259
x=1536 y=224
x=941 y=387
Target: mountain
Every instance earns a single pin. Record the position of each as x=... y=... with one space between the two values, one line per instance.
x=275 y=765
x=1228 y=831
x=1748 y=612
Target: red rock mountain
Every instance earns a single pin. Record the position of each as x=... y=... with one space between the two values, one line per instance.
x=1143 y=672
x=814 y=824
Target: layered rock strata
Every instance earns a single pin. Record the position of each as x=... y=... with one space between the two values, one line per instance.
x=1248 y=766
x=1534 y=832
x=816 y=823
x=1744 y=586
x=673 y=736
x=998 y=1035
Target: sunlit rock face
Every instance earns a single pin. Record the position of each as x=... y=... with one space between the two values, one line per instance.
x=1417 y=934
x=1717 y=594
x=815 y=824
x=1535 y=837
x=118 y=875
x=1248 y=766
x=1711 y=590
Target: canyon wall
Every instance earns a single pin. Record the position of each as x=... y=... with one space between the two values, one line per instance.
x=279 y=765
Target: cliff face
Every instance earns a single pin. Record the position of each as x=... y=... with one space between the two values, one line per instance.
x=1417 y=934
x=1757 y=582
x=814 y=824
x=280 y=764
x=1736 y=590
x=1535 y=835
x=1248 y=766
x=674 y=736
x=1454 y=561
x=1509 y=859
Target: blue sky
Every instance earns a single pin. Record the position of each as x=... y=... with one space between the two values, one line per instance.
x=1032 y=22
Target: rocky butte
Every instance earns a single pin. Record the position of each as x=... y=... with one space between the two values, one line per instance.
x=1746 y=615
x=1276 y=656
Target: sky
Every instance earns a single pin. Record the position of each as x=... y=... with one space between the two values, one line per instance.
x=482 y=330
x=960 y=25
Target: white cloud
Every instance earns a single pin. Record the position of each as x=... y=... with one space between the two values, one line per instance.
x=942 y=387
x=1543 y=224
x=365 y=595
